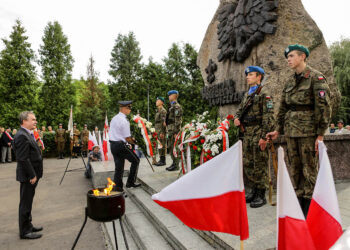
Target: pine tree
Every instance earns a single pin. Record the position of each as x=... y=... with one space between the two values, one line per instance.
x=58 y=93
x=18 y=81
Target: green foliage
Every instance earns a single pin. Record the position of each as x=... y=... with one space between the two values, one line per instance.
x=18 y=82
x=56 y=61
x=340 y=52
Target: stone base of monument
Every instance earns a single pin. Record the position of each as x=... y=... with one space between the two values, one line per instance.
x=101 y=170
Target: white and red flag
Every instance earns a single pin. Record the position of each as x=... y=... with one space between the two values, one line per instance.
x=211 y=197
x=92 y=141
x=323 y=217
x=105 y=139
x=292 y=230
x=101 y=146
x=70 y=122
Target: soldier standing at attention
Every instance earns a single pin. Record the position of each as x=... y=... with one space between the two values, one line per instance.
x=303 y=118
x=255 y=117
x=173 y=122
x=85 y=140
x=60 y=140
x=75 y=140
x=160 y=126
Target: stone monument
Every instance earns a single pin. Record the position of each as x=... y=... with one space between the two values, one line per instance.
x=256 y=32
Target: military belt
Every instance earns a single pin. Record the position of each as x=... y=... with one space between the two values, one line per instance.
x=300 y=107
x=252 y=123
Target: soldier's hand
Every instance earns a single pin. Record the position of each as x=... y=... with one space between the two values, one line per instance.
x=237 y=122
x=262 y=144
x=319 y=138
x=272 y=136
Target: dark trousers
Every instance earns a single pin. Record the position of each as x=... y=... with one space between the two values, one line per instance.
x=27 y=192
x=121 y=152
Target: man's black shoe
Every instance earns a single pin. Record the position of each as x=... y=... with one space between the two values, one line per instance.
x=250 y=196
x=173 y=168
x=31 y=236
x=259 y=199
x=129 y=185
x=37 y=229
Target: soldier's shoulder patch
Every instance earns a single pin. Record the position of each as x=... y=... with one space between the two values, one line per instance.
x=322 y=93
x=269 y=102
x=320 y=78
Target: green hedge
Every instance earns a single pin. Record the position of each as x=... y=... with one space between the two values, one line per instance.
x=50 y=145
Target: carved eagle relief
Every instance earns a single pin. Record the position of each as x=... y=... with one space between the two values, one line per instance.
x=243 y=25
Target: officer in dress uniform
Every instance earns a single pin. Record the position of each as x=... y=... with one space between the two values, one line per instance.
x=85 y=140
x=160 y=126
x=75 y=140
x=120 y=139
x=60 y=140
x=255 y=114
x=303 y=118
x=173 y=122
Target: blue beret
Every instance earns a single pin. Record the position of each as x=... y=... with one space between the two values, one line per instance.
x=254 y=69
x=171 y=92
x=299 y=47
x=161 y=98
x=124 y=103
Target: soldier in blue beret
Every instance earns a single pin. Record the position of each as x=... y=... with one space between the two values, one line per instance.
x=255 y=117
x=303 y=117
x=173 y=122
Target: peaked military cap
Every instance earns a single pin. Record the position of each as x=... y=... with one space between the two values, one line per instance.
x=254 y=69
x=124 y=103
x=171 y=92
x=298 y=47
x=161 y=98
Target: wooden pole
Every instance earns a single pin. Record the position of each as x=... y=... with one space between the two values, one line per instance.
x=242 y=246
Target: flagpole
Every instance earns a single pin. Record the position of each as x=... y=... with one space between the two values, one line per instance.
x=242 y=246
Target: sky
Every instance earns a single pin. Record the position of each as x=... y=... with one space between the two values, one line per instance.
x=93 y=26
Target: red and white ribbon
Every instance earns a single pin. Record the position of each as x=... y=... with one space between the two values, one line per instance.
x=145 y=135
x=223 y=128
x=9 y=136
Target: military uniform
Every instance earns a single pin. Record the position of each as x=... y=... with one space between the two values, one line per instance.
x=257 y=120
x=160 y=120
x=60 y=140
x=85 y=140
x=75 y=141
x=303 y=115
x=174 y=121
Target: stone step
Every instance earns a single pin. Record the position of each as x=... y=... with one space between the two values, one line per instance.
x=172 y=229
x=108 y=228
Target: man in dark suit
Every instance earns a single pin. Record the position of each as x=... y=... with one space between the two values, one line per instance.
x=29 y=171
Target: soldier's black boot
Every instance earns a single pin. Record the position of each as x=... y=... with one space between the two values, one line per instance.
x=305 y=207
x=259 y=199
x=161 y=162
x=174 y=167
x=62 y=156
x=250 y=196
x=171 y=166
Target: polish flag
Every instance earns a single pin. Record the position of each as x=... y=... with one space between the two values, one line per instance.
x=105 y=139
x=101 y=146
x=292 y=230
x=323 y=218
x=211 y=197
x=92 y=141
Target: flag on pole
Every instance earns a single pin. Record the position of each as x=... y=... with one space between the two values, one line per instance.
x=92 y=141
x=211 y=197
x=70 y=122
x=323 y=218
x=100 y=145
x=292 y=229
x=105 y=139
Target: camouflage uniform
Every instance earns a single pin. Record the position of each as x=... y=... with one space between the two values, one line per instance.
x=160 y=119
x=174 y=121
x=257 y=121
x=60 y=140
x=303 y=115
x=85 y=141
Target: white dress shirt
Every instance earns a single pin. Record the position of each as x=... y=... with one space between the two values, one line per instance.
x=119 y=128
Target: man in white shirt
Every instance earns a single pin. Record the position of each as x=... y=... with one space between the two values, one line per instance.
x=341 y=129
x=120 y=137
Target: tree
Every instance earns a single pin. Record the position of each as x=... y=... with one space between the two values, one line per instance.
x=18 y=81
x=92 y=103
x=340 y=53
x=125 y=68
x=56 y=61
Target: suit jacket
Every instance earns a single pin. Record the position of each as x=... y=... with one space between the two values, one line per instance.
x=5 y=139
x=28 y=155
